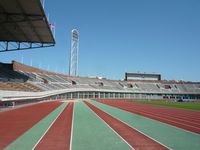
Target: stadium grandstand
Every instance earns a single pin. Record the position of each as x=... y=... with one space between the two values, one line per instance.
x=19 y=83
x=24 y=25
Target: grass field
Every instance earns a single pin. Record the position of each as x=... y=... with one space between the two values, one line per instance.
x=182 y=105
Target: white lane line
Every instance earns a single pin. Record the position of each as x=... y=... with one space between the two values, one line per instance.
x=168 y=119
x=111 y=128
x=72 y=127
x=49 y=128
x=135 y=128
x=151 y=119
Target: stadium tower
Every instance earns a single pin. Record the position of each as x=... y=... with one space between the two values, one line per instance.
x=73 y=62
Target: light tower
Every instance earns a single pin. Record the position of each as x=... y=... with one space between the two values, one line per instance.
x=73 y=62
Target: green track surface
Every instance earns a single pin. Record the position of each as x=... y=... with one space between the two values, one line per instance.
x=182 y=105
x=91 y=133
x=28 y=140
x=172 y=137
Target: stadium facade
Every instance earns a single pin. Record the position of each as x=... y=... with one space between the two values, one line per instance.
x=20 y=83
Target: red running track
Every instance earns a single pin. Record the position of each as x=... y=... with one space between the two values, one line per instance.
x=15 y=122
x=165 y=110
x=58 y=136
x=185 y=119
x=136 y=139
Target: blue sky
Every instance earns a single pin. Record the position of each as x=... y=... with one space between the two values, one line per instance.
x=116 y=36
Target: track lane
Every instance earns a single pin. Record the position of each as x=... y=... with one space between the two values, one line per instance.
x=171 y=136
x=147 y=112
x=15 y=122
x=167 y=111
x=31 y=138
x=162 y=109
x=58 y=136
x=136 y=139
x=90 y=132
x=168 y=117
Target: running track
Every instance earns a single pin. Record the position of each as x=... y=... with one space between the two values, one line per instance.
x=15 y=122
x=186 y=119
x=132 y=136
x=60 y=128
x=59 y=134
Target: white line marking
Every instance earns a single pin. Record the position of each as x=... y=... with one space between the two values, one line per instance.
x=168 y=118
x=150 y=118
x=49 y=128
x=72 y=127
x=111 y=128
x=135 y=128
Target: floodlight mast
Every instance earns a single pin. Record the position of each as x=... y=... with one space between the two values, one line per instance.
x=73 y=63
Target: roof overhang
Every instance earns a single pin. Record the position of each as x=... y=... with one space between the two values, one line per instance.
x=23 y=25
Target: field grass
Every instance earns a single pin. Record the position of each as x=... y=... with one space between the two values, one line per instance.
x=182 y=105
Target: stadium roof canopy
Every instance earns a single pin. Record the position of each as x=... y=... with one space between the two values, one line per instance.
x=23 y=25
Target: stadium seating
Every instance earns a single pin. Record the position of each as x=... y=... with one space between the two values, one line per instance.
x=13 y=86
x=19 y=77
